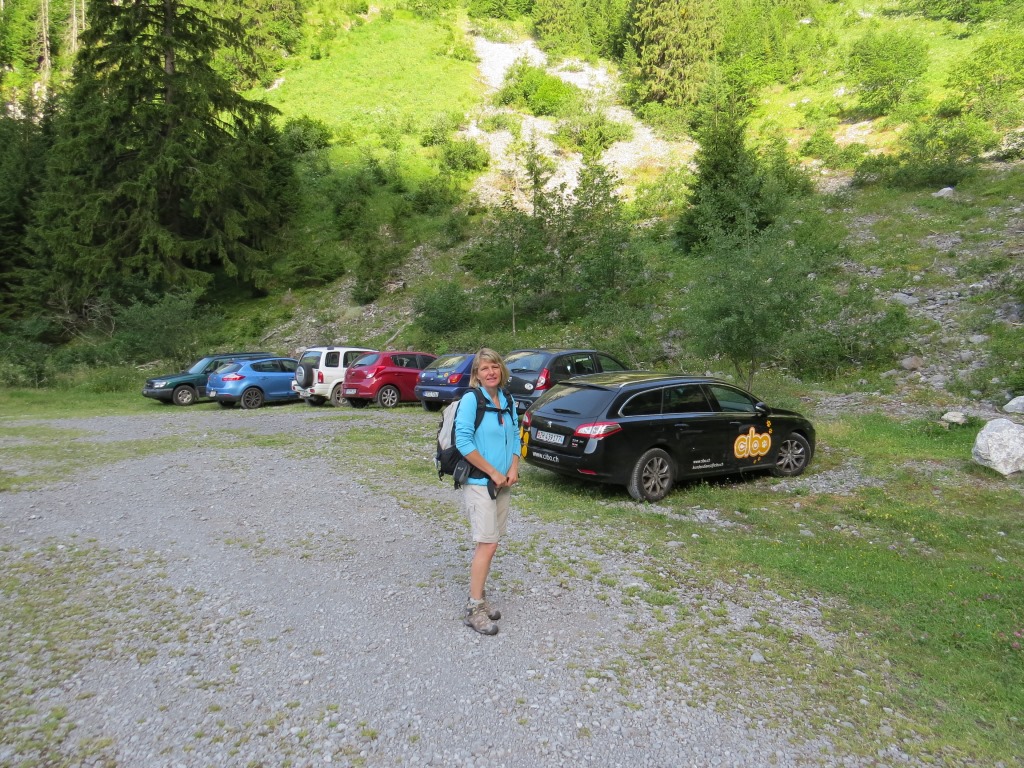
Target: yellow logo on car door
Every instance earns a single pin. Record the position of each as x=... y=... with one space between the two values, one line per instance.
x=752 y=445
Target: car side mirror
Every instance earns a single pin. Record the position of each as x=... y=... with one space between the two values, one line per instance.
x=761 y=408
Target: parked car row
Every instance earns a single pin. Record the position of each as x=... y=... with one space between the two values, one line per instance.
x=584 y=415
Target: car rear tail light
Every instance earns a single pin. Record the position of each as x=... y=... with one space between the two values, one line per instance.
x=527 y=420
x=319 y=377
x=597 y=430
x=543 y=381
x=454 y=378
x=232 y=377
x=586 y=472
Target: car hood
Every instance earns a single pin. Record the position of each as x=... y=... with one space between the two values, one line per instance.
x=180 y=376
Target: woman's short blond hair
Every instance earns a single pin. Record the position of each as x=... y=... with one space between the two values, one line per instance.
x=487 y=355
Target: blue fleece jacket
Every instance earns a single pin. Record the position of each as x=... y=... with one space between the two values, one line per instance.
x=496 y=442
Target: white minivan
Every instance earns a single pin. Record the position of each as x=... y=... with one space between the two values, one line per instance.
x=321 y=373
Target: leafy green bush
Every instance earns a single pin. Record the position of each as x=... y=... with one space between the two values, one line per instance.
x=886 y=67
x=462 y=155
x=932 y=152
x=990 y=80
x=436 y=194
x=847 y=330
x=442 y=308
x=503 y=121
x=823 y=146
x=590 y=132
x=443 y=125
x=530 y=87
x=429 y=9
x=304 y=134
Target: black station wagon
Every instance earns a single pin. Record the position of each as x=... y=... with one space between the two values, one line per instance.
x=647 y=430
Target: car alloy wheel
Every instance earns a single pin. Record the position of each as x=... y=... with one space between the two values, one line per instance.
x=338 y=396
x=388 y=397
x=184 y=396
x=251 y=398
x=652 y=476
x=794 y=453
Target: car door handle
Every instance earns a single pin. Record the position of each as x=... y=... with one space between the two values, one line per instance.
x=681 y=425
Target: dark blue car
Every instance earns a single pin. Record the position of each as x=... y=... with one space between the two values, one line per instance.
x=445 y=380
x=251 y=383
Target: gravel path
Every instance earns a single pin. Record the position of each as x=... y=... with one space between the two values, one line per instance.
x=232 y=604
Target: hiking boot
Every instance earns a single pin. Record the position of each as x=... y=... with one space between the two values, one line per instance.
x=492 y=613
x=476 y=617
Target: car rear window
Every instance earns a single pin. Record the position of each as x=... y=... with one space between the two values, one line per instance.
x=310 y=359
x=370 y=359
x=229 y=368
x=526 y=362
x=447 y=362
x=575 y=400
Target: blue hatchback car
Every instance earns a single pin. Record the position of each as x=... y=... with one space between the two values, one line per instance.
x=251 y=383
x=445 y=380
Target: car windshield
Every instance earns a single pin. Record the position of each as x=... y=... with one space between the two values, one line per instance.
x=367 y=359
x=447 y=362
x=202 y=366
x=575 y=400
x=525 y=362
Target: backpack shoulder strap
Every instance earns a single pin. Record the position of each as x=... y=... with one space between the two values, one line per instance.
x=481 y=406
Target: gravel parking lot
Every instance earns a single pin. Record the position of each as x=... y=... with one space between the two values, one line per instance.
x=232 y=602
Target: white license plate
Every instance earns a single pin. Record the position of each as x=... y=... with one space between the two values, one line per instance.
x=211 y=393
x=350 y=391
x=549 y=437
x=431 y=394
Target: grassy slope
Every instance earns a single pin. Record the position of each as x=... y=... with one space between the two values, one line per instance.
x=378 y=71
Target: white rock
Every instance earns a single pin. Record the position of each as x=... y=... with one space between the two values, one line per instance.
x=945 y=192
x=954 y=417
x=1000 y=446
x=1015 y=406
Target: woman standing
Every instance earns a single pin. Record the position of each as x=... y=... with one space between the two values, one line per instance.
x=493 y=450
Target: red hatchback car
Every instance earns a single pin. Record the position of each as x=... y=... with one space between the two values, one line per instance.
x=387 y=377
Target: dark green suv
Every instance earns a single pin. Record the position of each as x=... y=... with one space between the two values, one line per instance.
x=188 y=387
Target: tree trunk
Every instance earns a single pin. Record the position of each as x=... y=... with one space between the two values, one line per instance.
x=44 y=40
x=73 y=42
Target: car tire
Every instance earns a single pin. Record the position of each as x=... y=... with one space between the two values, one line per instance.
x=225 y=404
x=315 y=400
x=337 y=398
x=432 y=406
x=357 y=403
x=388 y=397
x=303 y=376
x=251 y=399
x=793 y=456
x=653 y=476
x=184 y=395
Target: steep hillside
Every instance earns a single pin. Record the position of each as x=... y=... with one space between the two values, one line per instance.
x=952 y=258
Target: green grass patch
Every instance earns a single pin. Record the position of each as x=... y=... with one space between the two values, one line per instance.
x=377 y=71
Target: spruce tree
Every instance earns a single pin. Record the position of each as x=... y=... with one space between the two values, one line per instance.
x=675 y=43
x=161 y=174
x=562 y=26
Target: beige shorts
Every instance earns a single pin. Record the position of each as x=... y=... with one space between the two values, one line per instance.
x=488 y=518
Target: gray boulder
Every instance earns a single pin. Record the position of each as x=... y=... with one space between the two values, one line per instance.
x=1015 y=406
x=1000 y=446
